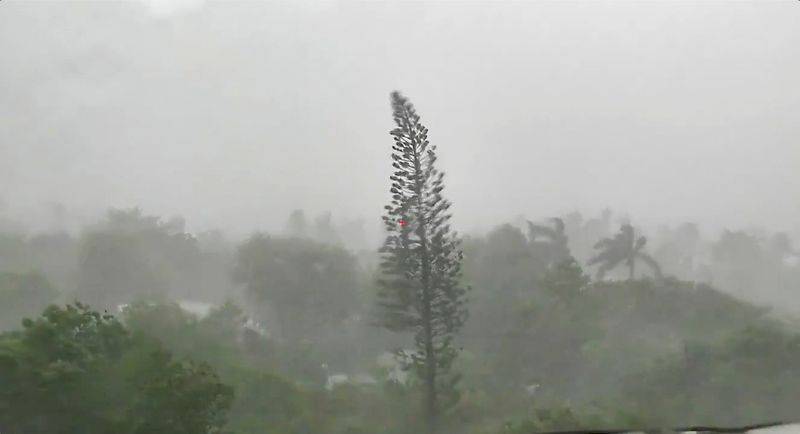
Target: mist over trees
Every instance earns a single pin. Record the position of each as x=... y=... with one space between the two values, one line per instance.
x=23 y=295
x=192 y=239
x=286 y=321
x=305 y=285
x=276 y=332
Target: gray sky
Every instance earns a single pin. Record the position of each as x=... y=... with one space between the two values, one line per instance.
x=232 y=114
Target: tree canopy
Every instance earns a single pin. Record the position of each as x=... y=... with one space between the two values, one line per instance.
x=76 y=370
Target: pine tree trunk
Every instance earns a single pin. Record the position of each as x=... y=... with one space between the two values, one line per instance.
x=429 y=402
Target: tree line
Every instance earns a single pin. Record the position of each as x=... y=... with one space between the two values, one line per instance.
x=490 y=327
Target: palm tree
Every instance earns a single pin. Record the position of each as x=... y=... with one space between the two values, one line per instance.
x=624 y=247
x=555 y=239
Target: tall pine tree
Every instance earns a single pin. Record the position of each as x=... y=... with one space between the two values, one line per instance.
x=420 y=289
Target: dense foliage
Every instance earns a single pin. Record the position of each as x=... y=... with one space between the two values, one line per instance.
x=272 y=334
x=546 y=348
x=307 y=285
x=75 y=370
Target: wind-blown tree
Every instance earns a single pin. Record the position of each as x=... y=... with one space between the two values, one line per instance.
x=131 y=256
x=421 y=262
x=624 y=248
x=305 y=285
x=552 y=240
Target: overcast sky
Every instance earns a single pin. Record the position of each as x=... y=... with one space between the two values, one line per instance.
x=232 y=114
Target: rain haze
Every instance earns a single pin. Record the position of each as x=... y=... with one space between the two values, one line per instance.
x=667 y=111
x=399 y=217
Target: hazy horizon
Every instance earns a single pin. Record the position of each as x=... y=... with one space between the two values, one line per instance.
x=156 y=277
x=233 y=114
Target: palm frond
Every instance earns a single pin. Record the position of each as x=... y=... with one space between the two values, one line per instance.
x=607 y=258
x=651 y=262
x=605 y=243
x=604 y=268
x=640 y=242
